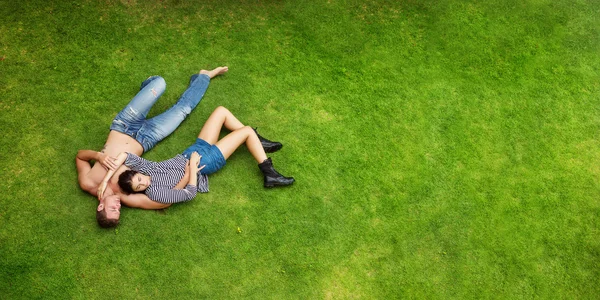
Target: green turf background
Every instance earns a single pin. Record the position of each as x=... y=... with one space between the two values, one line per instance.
x=442 y=149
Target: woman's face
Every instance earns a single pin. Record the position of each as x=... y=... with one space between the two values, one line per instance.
x=140 y=182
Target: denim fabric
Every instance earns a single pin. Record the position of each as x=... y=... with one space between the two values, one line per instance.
x=148 y=132
x=212 y=158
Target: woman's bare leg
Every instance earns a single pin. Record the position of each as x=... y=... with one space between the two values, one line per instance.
x=242 y=135
x=220 y=117
x=247 y=135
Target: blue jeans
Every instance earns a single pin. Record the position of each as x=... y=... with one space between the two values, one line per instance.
x=148 y=132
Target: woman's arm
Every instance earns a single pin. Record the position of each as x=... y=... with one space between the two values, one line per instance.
x=85 y=156
x=194 y=162
x=117 y=162
x=170 y=196
x=188 y=193
x=186 y=178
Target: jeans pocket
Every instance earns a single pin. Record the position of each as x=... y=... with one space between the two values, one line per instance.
x=119 y=126
x=146 y=143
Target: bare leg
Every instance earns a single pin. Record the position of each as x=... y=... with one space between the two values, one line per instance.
x=214 y=72
x=220 y=117
x=246 y=135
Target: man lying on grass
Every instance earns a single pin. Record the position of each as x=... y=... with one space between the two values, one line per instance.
x=132 y=132
x=180 y=178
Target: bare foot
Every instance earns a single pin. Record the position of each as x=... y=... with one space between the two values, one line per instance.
x=215 y=72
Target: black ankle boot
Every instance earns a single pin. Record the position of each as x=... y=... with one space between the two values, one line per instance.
x=269 y=146
x=272 y=177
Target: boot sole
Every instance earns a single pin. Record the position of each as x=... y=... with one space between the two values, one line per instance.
x=269 y=186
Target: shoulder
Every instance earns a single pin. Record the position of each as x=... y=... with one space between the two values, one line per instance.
x=89 y=181
x=88 y=185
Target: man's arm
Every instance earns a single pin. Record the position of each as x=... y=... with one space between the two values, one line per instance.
x=82 y=161
x=142 y=201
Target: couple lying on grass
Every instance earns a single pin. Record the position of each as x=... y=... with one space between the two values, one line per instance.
x=120 y=175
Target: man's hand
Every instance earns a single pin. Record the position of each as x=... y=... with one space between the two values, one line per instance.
x=108 y=162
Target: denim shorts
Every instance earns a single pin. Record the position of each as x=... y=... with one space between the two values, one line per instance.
x=212 y=158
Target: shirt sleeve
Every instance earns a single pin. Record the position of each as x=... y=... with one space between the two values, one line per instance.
x=173 y=195
x=137 y=163
x=202 y=183
x=176 y=163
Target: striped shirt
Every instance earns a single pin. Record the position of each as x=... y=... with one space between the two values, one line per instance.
x=164 y=176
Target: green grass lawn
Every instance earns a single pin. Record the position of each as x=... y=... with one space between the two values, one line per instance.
x=441 y=149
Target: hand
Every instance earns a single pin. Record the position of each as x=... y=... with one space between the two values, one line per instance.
x=101 y=189
x=107 y=162
x=195 y=162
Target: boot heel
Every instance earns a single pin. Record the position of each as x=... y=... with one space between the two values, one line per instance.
x=272 y=177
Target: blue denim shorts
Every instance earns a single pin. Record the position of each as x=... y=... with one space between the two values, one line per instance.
x=212 y=157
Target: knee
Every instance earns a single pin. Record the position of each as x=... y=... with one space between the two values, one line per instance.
x=221 y=110
x=158 y=86
x=159 y=82
x=185 y=110
x=155 y=79
x=248 y=130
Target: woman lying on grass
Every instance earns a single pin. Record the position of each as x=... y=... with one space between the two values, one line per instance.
x=181 y=177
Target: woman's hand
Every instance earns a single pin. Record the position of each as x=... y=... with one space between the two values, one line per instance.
x=194 y=159
x=117 y=163
x=101 y=189
x=194 y=170
x=108 y=162
x=195 y=162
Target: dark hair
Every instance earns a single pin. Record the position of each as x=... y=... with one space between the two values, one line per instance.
x=105 y=222
x=125 y=181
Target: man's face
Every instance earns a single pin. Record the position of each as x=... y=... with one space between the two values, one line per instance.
x=112 y=206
